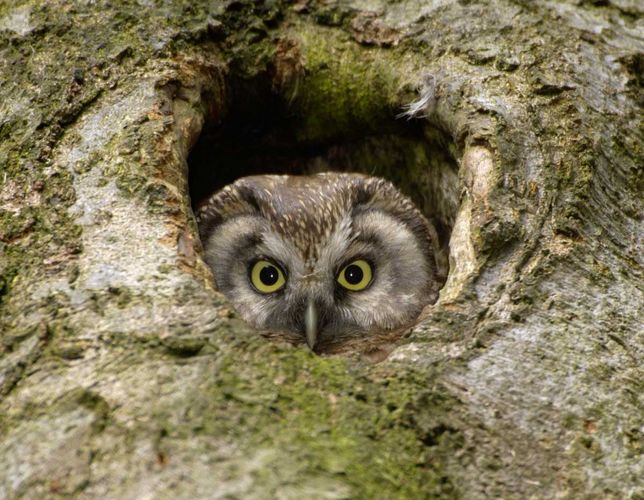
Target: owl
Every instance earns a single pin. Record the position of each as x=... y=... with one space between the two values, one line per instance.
x=329 y=260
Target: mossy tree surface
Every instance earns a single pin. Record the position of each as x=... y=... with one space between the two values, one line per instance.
x=124 y=374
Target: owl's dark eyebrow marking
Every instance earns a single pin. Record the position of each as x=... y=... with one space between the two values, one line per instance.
x=370 y=237
x=245 y=242
x=210 y=221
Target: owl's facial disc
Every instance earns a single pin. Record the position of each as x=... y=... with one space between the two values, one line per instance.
x=268 y=277
x=320 y=260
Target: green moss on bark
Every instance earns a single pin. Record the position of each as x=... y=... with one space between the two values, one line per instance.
x=371 y=430
x=346 y=90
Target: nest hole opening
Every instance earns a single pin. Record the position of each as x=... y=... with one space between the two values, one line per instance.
x=259 y=133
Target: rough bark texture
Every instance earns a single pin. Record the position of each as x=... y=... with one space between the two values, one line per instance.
x=124 y=374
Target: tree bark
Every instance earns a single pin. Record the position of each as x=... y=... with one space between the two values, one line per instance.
x=123 y=373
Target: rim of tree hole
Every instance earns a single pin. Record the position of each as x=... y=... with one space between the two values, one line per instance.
x=257 y=126
x=122 y=369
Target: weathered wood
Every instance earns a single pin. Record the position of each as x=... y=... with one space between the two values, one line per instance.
x=124 y=374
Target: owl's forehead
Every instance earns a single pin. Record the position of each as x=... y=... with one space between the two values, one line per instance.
x=304 y=210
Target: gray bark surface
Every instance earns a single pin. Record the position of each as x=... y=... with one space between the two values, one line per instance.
x=124 y=374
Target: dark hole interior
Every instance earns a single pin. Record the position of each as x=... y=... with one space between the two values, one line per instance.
x=258 y=135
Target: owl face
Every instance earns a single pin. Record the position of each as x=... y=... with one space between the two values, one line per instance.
x=322 y=260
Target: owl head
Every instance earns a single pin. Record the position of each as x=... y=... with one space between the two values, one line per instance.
x=325 y=260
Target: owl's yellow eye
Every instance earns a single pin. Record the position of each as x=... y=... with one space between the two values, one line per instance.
x=266 y=277
x=356 y=276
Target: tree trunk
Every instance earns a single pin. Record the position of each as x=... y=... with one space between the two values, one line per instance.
x=124 y=374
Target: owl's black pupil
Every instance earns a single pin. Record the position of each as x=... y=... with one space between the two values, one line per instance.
x=353 y=274
x=269 y=275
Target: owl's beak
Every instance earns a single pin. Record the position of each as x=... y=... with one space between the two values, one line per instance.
x=311 y=324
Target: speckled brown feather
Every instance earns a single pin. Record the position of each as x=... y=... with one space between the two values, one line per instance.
x=307 y=209
x=311 y=226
